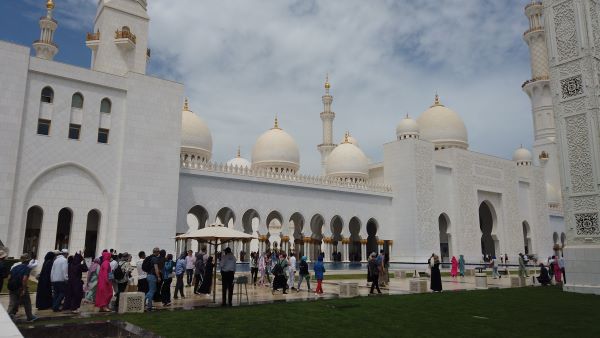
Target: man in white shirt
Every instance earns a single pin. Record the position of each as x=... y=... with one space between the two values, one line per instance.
x=59 y=275
x=190 y=261
x=142 y=282
x=292 y=271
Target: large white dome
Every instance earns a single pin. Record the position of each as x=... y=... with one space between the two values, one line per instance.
x=522 y=156
x=276 y=150
x=443 y=127
x=347 y=161
x=407 y=128
x=196 y=138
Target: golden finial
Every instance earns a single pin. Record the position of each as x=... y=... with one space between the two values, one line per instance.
x=276 y=124
x=346 y=137
x=327 y=84
x=50 y=4
x=436 y=100
x=186 y=105
x=239 y=154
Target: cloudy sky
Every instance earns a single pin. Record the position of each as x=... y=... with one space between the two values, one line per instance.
x=244 y=61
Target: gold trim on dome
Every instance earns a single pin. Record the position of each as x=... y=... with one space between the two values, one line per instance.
x=346 y=137
x=327 y=84
x=239 y=154
x=276 y=123
x=436 y=101
x=186 y=105
x=50 y=4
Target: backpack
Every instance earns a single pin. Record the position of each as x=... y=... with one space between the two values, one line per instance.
x=119 y=274
x=147 y=264
x=15 y=283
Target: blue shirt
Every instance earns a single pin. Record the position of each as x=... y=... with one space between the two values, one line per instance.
x=180 y=267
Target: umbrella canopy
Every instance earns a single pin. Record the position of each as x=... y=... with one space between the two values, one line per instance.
x=216 y=232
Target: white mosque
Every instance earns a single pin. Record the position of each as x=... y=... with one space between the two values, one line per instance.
x=105 y=158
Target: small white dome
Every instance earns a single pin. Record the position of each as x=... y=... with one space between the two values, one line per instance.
x=347 y=161
x=276 y=150
x=522 y=156
x=407 y=127
x=552 y=194
x=443 y=127
x=196 y=138
x=239 y=161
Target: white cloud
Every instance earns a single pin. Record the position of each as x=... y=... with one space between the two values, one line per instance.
x=244 y=61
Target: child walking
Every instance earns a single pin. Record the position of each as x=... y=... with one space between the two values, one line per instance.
x=319 y=272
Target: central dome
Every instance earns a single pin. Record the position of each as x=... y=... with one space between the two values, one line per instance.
x=276 y=150
x=443 y=127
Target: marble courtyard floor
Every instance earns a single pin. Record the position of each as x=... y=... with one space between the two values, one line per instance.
x=263 y=295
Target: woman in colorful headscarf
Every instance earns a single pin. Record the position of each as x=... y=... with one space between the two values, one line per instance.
x=104 y=291
x=92 y=281
x=454 y=270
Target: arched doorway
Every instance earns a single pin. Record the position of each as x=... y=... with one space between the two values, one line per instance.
x=486 y=225
x=197 y=218
x=63 y=229
x=526 y=237
x=250 y=223
x=354 y=248
x=563 y=240
x=91 y=233
x=225 y=217
x=555 y=238
x=372 y=236
x=274 y=225
x=316 y=227
x=444 y=223
x=33 y=226
x=337 y=226
x=297 y=225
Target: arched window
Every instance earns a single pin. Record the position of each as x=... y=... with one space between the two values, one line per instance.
x=105 y=106
x=47 y=95
x=126 y=29
x=77 y=101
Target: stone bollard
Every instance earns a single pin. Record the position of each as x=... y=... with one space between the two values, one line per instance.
x=470 y=272
x=417 y=285
x=131 y=302
x=481 y=280
x=348 y=289
x=399 y=274
x=517 y=282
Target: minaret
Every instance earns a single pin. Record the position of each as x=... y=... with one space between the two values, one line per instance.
x=45 y=47
x=327 y=117
x=119 y=42
x=538 y=90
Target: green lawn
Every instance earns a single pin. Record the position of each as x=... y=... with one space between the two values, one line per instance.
x=31 y=284
x=523 y=312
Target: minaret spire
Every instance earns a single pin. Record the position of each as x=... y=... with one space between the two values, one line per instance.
x=327 y=117
x=45 y=48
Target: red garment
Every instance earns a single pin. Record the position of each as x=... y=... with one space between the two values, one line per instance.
x=557 y=272
x=104 y=292
x=319 y=286
x=454 y=270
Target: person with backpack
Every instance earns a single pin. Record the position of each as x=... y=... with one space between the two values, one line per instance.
x=319 y=274
x=180 y=270
x=18 y=291
x=304 y=274
x=150 y=266
x=121 y=276
x=168 y=272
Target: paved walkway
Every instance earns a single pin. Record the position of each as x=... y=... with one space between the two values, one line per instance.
x=263 y=295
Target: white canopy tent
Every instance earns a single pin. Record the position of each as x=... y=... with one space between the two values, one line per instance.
x=216 y=235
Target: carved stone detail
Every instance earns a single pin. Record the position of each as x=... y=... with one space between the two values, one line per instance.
x=595 y=26
x=564 y=25
x=570 y=68
x=426 y=219
x=584 y=203
x=578 y=148
x=587 y=224
x=571 y=86
x=574 y=107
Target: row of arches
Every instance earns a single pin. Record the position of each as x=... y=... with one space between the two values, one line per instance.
x=487 y=225
x=64 y=222
x=305 y=236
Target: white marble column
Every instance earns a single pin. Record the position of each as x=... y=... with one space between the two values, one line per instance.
x=346 y=252
x=364 y=254
x=48 y=231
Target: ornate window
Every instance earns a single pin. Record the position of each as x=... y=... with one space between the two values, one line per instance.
x=77 y=101
x=47 y=95
x=571 y=86
x=103 y=135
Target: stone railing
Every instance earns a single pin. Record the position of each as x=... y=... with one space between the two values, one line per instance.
x=189 y=162
x=539 y=78
x=92 y=36
x=125 y=34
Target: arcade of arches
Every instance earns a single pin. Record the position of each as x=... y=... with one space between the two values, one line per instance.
x=64 y=225
x=305 y=236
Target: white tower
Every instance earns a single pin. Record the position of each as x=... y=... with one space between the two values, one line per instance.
x=327 y=117
x=119 y=42
x=573 y=40
x=45 y=47
x=538 y=90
